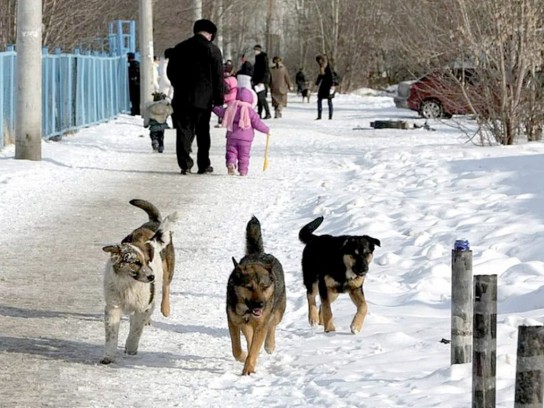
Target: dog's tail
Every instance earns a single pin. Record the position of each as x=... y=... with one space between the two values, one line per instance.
x=306 y=233
x=152 y=211
x=163 y=236
x=254 y=238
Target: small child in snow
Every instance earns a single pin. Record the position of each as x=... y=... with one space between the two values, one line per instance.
x=241 y=121
x=230 y=85
x=157 y=113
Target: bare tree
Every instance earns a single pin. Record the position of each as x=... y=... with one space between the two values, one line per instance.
x=8 y=27
x=506 y=41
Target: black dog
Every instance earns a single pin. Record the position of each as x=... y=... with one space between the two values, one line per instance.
x=306 y=93
x=333 y=265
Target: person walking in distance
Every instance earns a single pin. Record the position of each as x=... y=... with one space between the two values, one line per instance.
x=244 y=74
x=326 y=85
x=261 y=78
x=156 y=117
x=195 y=70
x=280 y=84
x=133 y=84
x=230 y=86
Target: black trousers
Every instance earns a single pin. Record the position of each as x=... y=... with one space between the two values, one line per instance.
x=134 y=93
x=191 y=122
x=262 y=103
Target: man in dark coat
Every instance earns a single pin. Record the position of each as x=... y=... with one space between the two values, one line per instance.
x=261 y=79
x=195 y=70
x=133 y=84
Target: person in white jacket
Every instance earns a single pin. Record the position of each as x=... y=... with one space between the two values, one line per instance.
x=157 y=113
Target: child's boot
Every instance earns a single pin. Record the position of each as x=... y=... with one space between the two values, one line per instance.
x=161 y=143
x=154 y=141
x=230 y=169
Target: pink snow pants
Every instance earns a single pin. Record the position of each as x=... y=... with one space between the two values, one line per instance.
x=238 y=154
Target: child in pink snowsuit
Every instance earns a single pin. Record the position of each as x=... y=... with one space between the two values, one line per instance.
x=241 y=120
x=230 y=86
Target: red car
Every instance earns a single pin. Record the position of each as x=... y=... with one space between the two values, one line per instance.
x=439 y=94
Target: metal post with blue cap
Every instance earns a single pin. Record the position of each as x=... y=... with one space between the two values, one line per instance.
x=461 y=303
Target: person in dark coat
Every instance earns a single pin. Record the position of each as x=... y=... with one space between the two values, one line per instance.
x=133 y=84
x=261 y=79
x=195 y=70
x=326 y=85
x=244 y=74
x=300 y=80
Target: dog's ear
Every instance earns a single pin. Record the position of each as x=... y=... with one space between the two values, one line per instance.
x=150 y=250
x=115 y=252
x=234 y=262
x=372 y=240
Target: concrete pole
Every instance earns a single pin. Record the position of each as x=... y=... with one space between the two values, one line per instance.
x=28 y=132
x=146 y=54
x=484 y=359
x=461 y=306
x=530 y=367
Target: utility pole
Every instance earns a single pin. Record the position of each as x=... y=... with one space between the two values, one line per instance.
x=28 y=132
x=146 y=54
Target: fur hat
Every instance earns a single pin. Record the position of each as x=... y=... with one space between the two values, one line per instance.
x=206 y=26
x=258 y=47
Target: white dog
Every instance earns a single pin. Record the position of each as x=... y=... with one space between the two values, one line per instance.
x=132 y=275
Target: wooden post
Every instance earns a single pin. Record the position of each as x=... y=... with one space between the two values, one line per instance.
x=530 y=367
x=485 y=341
x=461 y=305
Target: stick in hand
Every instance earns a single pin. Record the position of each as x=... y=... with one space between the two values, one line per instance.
x=265 y=164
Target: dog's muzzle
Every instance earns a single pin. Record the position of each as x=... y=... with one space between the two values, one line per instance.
x=256 y=308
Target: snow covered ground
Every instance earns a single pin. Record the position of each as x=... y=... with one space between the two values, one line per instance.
x=415 y=190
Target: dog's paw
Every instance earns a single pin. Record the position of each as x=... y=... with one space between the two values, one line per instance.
x=165 y=310
x=269 y=349
x=330 y=328
x=355 y=329
x=106 y=360
x=248 y=369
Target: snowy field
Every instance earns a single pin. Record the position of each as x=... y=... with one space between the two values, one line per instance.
x=415 y=190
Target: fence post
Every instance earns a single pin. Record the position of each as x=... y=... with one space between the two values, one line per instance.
x=530 y=367
x=485 y=341
x=461 y=303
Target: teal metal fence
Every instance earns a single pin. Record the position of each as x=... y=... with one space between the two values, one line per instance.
x=78 y=89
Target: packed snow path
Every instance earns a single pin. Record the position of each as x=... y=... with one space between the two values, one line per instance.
x=416 y=191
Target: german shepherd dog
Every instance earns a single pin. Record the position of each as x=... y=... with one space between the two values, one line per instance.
x=333 y=265
x=143 y=260
x=255 y=299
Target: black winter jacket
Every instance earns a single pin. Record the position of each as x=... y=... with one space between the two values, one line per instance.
x=261 y=69
x=195 y=69
x=325 y=82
